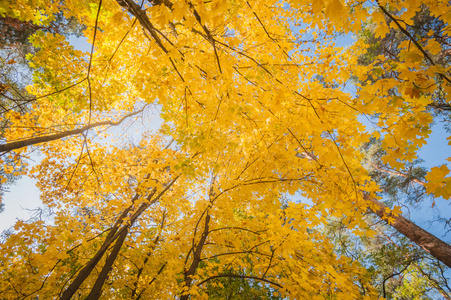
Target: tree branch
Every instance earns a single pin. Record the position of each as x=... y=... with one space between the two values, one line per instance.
x=240 y=276
x=412 y=39
x=42 y=139
x=397 y=173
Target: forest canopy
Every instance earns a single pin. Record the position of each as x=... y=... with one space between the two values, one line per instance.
x=280 y=161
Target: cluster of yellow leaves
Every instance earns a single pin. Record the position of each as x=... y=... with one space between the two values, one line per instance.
x=438 y=183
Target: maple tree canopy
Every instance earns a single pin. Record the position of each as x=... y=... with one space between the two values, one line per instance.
x=256 y=101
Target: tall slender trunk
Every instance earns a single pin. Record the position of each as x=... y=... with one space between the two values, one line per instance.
x=197 y=251
x=429 y=242
x=114 y=234
x=101 y=278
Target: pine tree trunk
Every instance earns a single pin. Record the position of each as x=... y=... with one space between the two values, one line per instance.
x=429 y=242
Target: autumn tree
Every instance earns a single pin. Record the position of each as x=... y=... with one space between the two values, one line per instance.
x=15 y=73
x=254 y=96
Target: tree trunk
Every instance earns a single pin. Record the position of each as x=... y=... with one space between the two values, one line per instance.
x=197 y=251
x=101 y=278
x=429 y=242
x=114 y=234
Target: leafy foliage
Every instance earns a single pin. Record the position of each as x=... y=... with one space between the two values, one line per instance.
x=254 y=106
